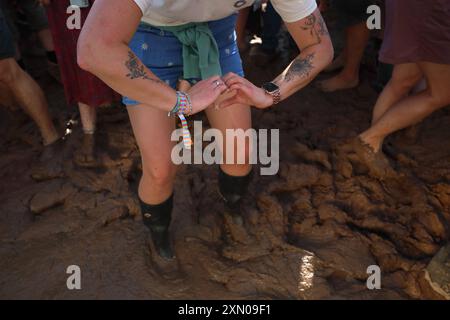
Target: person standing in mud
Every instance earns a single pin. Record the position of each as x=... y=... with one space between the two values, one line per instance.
x=417 y=42
x=29 y=95
x=81 y=87
x=352 y=16
x=141 y=48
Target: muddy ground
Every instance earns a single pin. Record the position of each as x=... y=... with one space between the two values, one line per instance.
x=310 y=232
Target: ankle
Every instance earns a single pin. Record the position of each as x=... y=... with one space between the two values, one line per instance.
x=375 y=143
x=50 y=138
x=89 y=131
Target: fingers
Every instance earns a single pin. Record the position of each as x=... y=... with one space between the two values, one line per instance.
x=216 y=82
x=225 y=89
x=220 y=89
x=232 y=78
x=228 y=80
x=235 y=81
x=230 y=75
x=240 y=87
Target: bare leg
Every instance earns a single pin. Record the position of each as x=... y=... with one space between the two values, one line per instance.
x=88 y=116
x=339 y=62
x=235 y=117
x=235 y=177
x=30 y=96
x=45 y=37
x=357 y=37
x=404 y=78
x=412 y=133
x=85 y=157
x=414 y=108
x=152 y=129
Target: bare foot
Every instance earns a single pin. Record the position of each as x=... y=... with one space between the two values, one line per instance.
x=338 y=82
x=377 y=163
x=85 y=156
x=50 y=164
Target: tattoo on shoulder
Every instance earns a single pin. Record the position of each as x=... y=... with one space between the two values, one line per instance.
x=300 y=68
x=136 y=69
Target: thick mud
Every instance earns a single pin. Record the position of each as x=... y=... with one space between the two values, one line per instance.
x=310 y=232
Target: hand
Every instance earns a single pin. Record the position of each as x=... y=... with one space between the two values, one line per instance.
x=205 y=93
x=245 y=93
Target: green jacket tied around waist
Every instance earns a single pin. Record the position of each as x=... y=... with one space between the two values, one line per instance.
x=201 y=59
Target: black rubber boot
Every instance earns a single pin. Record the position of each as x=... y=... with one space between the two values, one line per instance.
x=233 y=189
x=157 y=218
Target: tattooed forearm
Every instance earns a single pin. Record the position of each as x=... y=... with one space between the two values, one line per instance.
x=136 y=69
x=313 y=40
x=300 y=68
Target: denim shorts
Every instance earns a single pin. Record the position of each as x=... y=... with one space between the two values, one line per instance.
x=161 y=51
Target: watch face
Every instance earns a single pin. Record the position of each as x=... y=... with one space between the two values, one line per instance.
x=270 y=87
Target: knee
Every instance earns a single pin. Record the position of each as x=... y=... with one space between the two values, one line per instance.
x=403 y=84
x=240 y=155
x=160 y=175
x=9 y=71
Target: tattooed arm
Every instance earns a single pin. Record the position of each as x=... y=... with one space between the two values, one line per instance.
x=312 y=38
x=103 y=50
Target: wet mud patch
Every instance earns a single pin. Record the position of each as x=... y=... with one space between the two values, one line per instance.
x=310 y=232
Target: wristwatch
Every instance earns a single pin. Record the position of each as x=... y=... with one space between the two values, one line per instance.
x=274 y=90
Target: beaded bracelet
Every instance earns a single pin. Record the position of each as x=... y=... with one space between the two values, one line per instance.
x=182 y=109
